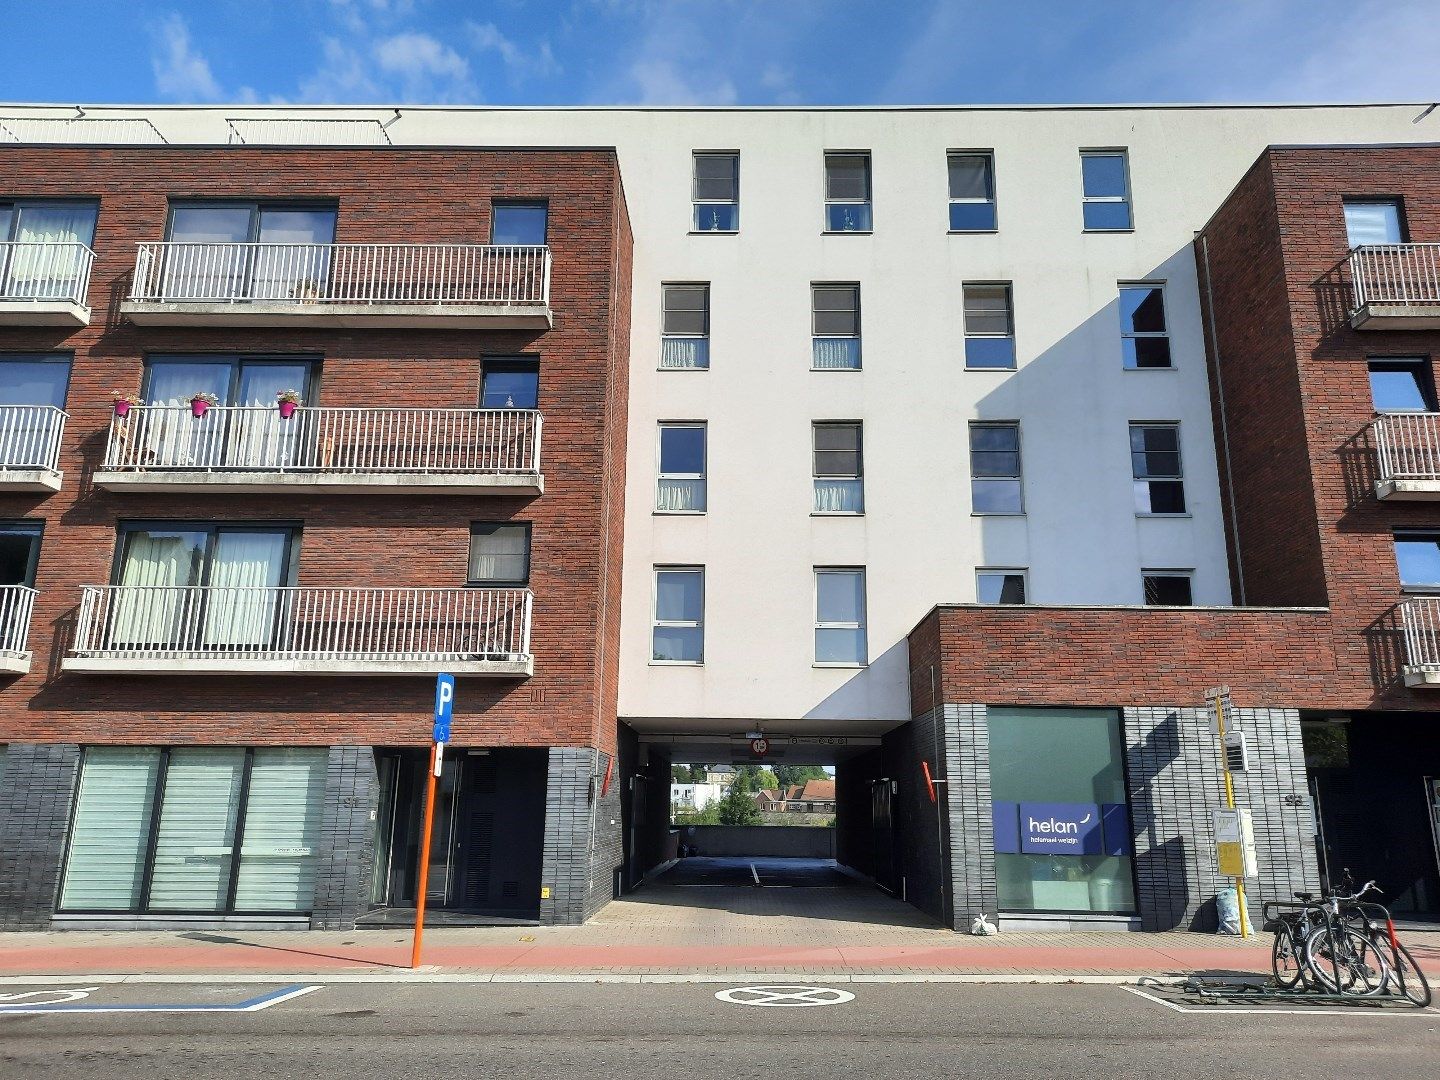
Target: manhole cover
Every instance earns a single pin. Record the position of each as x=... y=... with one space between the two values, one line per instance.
x=785 y=997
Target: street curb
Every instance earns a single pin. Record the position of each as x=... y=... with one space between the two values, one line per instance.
x=653 y=978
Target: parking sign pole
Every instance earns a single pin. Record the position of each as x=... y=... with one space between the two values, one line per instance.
x=1221 y=699
x=444 y=704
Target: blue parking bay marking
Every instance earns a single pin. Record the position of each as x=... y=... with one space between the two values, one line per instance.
x=72 y=1000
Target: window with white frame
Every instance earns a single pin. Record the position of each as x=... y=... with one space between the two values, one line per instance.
x=1000 y=585
x=1144 y=333
x=682 y=469
x=1155 y=465
x=847 y=192
x=839 y=467
x=716 y=192
x=989 y=326
x=835 y=327
x=972 y=191
x=995 y=486
x=685 y=327
x=678 y=632
x=1105 y=179
x=1167 y=588
x=1373 y=221
x=840 y=616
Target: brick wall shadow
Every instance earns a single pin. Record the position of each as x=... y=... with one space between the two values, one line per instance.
x=62 y=639
x=1360 y=468
x=1334 y=300
x=1385 y=650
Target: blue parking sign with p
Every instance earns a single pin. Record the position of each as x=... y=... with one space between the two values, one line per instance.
x=444 y=704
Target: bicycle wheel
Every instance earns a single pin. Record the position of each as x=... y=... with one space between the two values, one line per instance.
x=1286 y=960
x=1342 y=960
x=1406 y=976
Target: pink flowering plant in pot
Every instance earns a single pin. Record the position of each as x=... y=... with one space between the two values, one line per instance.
x=200 y=404
x=287 y=401
x=122 y=399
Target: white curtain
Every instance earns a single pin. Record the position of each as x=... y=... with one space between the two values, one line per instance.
x=194 y=842
x=499 y=555
x=682 y=353
x=282 y=830
x=105 y=867
x=681 y=494
x=839 y=496
x=156 y=616
x=242 y=598
x=841 y=354
x=50 y=272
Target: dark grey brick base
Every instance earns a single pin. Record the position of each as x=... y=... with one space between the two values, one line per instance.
x=972 y=825
x=35 y=800
x=583 y=839
x=345 y=855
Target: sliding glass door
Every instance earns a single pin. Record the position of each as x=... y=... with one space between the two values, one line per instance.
x=44 y=256
x=248 y=251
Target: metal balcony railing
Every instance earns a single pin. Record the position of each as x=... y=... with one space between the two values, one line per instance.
x=45 y=273
x=325 y=440
x=1395 y=274
x=17 y=602
x=1407 y=445
x=30 y=437
x=1420 y=621
x=341 y=274
x=160 y=622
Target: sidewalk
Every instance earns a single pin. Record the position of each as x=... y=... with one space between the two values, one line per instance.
x=637 y=937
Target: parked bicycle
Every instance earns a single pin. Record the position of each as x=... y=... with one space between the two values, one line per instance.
x=1343 y=945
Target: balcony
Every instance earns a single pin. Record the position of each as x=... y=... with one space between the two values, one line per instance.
x=166 y=630
x=411 y=286
x=45 y=284
x=337 y=451
x=1420 y=623
x=30 y=447
x=16 y=604
x=1397 y=286
x=1407 y=447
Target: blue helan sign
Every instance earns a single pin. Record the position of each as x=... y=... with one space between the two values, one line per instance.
x=1060 y=829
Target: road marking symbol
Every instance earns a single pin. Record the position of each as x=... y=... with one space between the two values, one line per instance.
x=1228 y=1010
x=785 y=997
x=9 y=1006
x=57 y=996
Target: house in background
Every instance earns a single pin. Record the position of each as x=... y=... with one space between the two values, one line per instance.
x=695 y=796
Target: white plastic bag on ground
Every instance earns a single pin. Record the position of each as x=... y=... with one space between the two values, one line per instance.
x=982 y=926
x=1227 y=906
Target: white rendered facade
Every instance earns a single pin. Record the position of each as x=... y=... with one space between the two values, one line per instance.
x=1079 y=540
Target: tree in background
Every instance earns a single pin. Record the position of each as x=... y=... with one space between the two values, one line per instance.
x=680 y=774
x=758 y=778
x=738 y=806
x=789 y=775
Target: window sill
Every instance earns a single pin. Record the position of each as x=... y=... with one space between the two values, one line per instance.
x=1129 y=230
x=847 y=232
x=677 y=663
x=842 y=664
x=1172 y=367
x=998 y=513
x=1012 y=367
x=677 y=513
x=837 y=513
x=713 y=232
x=971 y=232
x=1141 y=514
x=827 y=370
x=669 y=369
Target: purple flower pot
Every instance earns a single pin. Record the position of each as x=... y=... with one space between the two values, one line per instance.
x=287 y=409
x=199 y=408
x=122 y=407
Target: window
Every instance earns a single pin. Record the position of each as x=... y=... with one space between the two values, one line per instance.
x=297 y=268
x=685 y=327
x=995 y=469
x=510 y=382
x=196 y=829
x=1144 y=336
x=1106 y=184
x=835 y=327
x=234 y=380
x=682 y=469
x=840 y=616
x=716 y=192
x=1417 y=554
x=518 y=224
x=1155 y=465
x=839 y=468
x=1061 y=820
x=972 y=192
x=499 y=554
x=847 y=193
x=989 y=327
x=678 y=634
x=197 y=585
x=19 y=553
x=42 y=249
x=1373 y=221
x=1167 y=588
x=32 y=395
x=1402 y=384
x=996 y=586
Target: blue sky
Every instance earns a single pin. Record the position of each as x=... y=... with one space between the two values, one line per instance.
x=718 y=51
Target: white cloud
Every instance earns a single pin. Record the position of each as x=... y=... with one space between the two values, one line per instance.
x=344 y=76
x=487 y=37
x=425 y=69
x=658 y=81
x=181 y=73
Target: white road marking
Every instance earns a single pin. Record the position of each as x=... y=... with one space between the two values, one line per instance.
x=785 y=997
x=255 y=1004
x=1226 y=1010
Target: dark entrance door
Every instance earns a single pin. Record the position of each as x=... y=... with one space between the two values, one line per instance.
x=883 y=839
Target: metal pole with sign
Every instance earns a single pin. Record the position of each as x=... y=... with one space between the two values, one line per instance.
x=1234 y=838
x=444 y=706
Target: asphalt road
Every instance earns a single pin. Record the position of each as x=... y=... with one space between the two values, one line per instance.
x=634 y=1032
